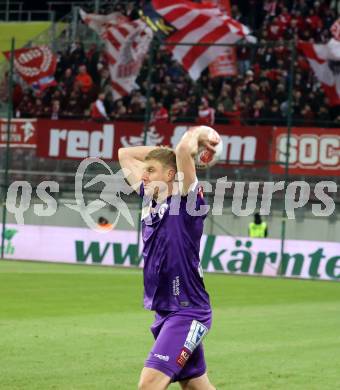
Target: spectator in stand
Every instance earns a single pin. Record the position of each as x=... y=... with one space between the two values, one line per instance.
x=274 y=115
x=38 y=108
x=83 y=79
x=308 y=115
x=93 y=56
x=258 y=113
x=323 y=115
x=206 y=114
x=136 y=107
x=268 y=61
x=119 y=111
x=225 y=98
x=160 y=114
x=98 y=111
x=55 y=112
x=76 y=55
x=269 y=7
x=243 y=58
x=26 y=107
x=280 y=93
x=220 y=114
x=329 y=18
x=314 y=23
x=297 y=102
x=17 y=95
x=104 y=82
x=72 y=107
x=192 y=107
x=234 y=116
x=109 y=104
x=337 y=121
x=264 y=91
x=178 y=110
x=67 y=81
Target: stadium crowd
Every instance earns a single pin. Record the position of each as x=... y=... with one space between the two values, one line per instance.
x=258 y=94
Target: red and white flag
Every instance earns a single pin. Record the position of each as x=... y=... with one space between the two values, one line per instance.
x=198 y=23
x=224 y=65
x=34 y=63
x=335 y=29
x=324 y=60
x=126 y=42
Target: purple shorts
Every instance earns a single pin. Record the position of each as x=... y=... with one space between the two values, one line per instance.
x=178 y=350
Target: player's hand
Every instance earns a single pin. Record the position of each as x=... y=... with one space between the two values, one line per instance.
x=208 y=139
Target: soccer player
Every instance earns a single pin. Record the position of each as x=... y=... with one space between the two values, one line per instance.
x=172 y=226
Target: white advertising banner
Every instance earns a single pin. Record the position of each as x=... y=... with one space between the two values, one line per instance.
x=301 y=259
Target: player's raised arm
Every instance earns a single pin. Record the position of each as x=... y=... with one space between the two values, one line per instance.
x=186 y=150
x=132 y=159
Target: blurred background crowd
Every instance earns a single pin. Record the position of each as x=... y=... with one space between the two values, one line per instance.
x=258 y=94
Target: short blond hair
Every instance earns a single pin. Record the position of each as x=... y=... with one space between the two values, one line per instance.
x=166 y=156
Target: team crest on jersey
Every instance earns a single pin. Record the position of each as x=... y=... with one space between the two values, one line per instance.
x=195 y=335
x=162 y=209
x=151 y=214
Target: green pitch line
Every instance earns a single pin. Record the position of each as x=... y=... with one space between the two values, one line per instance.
x=80 y=327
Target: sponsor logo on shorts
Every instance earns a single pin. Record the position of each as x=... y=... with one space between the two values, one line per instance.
x=161 y=357
x=195 y=335
x=183 y=357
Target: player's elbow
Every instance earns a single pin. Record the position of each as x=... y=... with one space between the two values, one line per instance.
x=183 y=148
x=121 y=154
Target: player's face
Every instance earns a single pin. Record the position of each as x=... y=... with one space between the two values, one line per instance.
x=156 y=177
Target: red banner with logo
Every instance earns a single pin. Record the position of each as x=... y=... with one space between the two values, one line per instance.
x=225 y=64
x=67 y=139
x=34 y=63
x=312 y=151
x=22 y=133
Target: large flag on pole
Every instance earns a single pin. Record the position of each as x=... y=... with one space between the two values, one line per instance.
x=34 y=64
x=325 y=62
x=126 y=43
x=194 y=23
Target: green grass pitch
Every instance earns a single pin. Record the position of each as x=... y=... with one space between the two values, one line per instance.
x=80 y=327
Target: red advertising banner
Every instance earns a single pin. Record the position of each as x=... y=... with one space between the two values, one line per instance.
x=66 y=139
x=22 y=133
x=312 y=151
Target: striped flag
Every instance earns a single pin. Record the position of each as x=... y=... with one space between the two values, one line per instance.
x=325 y=62
x=198 y=23
x=126 y=44
x=335 y=29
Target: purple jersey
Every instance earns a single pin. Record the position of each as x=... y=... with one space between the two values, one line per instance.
x=172 y=271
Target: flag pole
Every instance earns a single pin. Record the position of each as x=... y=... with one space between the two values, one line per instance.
x=289 y=132
x=7 y=155
x=153 y=47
